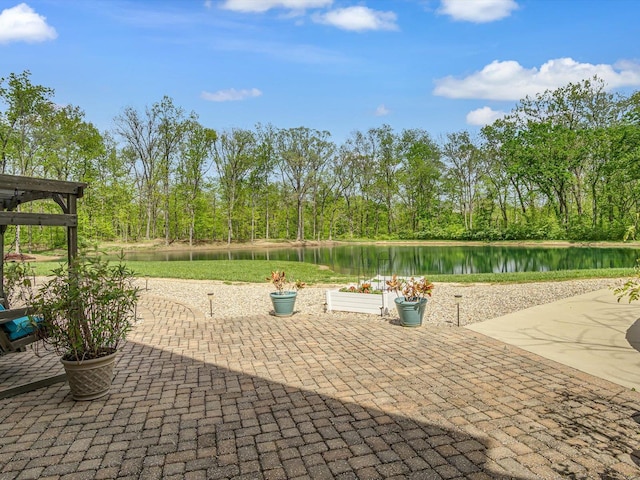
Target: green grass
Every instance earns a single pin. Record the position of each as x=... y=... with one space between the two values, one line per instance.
x=527 y=277
x=256 y=271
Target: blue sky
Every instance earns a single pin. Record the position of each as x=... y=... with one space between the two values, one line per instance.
x=336 y=65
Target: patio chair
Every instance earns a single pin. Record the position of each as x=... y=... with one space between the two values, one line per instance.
x=18 y=328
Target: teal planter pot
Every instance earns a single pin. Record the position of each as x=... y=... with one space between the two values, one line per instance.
x=283 y=303
x=411 y=313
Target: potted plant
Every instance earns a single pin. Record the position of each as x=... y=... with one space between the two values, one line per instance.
x=411 y=305
x=85 y=312
x=284 y=298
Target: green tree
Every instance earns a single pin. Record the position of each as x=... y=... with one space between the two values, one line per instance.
x=73 y=146
x=233 y=155
x=261 y=176
x=387 y=153
x=335 y=185
x=465 y=173
x=508 y=179
x=170 y=134
x=140 y=135
x=27 y=108
x=560 y=149
x=303 y=153
x=109 y=204
x=347 y=170
x=195 y=158
x=419 y=178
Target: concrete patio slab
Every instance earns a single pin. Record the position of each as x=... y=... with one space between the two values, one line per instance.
x=591 y=332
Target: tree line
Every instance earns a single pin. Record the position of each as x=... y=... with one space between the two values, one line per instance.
x=561 y=165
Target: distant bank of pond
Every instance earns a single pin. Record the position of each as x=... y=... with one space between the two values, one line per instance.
x=425 y=259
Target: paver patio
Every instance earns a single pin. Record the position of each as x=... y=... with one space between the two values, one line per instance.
x=316 y=397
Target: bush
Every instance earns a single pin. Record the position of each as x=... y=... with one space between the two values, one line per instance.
x=631 y=288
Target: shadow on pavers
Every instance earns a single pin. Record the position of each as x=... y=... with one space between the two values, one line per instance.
x=172 y=413
x=633 y=335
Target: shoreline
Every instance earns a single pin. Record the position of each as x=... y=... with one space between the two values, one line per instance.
x=275 y=244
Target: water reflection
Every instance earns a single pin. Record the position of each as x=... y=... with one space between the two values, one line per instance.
x=408 y=260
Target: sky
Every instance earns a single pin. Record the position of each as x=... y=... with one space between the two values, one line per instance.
x=337 y=65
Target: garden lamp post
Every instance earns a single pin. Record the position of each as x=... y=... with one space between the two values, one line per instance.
x=458 y=297
x=210 y=295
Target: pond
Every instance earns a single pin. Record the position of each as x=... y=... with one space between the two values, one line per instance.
x=363 y=260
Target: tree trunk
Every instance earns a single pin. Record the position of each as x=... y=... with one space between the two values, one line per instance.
x=149 y=209
x=266 y=216
x=166 y=212
x=300 y=235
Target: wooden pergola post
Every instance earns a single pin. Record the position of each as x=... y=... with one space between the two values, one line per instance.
x=17 y=190
x=72 y=230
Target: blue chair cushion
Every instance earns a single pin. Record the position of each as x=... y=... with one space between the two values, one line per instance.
x=19 y=327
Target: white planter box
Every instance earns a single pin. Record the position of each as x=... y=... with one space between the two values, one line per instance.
x=377 y=304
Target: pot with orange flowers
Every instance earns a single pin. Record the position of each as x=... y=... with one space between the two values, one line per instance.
x=284 y=298
x=411 y=305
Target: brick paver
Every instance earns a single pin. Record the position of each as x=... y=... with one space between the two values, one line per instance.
x=316 y=397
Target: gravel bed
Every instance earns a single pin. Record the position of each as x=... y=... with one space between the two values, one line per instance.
x=478 y=302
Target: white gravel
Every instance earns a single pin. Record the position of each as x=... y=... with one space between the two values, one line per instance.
x=478 y=302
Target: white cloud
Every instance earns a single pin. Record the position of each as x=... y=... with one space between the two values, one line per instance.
x=358 y=19
x=231 y=95
x=484 y=116
x=382 y=111
x=22 y=23
x=208 y=3
x=477 y=11
x=260 y=6
x=509 y=80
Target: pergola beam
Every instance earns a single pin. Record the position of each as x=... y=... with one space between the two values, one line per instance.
x=48 y=219
x=19 y=183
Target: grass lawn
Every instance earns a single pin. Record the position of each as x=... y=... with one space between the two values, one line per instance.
x=256 y=271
